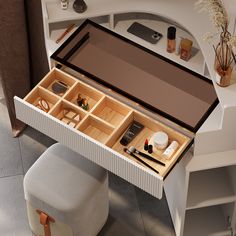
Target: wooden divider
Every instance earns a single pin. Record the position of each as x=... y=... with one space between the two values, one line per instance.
x=105 y=119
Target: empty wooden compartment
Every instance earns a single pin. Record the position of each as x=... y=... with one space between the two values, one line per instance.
x=111 y=111
x=96 y=129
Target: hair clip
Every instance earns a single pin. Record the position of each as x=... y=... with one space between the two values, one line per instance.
x=82 y=102
x=79 y=100
x=85 y=104
x=43 y=105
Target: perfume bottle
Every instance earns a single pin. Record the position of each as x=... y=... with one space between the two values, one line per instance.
x=185 y=49
x=177 y=46
x=64 y=4
x=79 y=6
x=171 y=33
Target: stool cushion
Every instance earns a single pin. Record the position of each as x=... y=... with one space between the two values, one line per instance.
x=62 y=183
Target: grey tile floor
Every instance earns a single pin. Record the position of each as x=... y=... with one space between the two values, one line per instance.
x=132 y=211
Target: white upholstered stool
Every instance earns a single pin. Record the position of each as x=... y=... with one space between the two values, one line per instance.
x=66 y=194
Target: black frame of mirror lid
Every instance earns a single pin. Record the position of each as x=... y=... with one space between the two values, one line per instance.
x=64 y=61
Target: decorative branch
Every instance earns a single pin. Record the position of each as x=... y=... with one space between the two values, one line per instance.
x=217 y=56
x=219 y=17
x=234 y=57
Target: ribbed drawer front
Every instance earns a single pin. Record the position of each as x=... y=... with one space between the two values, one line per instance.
x=90 y=148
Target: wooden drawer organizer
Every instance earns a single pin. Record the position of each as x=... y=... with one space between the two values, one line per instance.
x=103 y=125
x=106 y=119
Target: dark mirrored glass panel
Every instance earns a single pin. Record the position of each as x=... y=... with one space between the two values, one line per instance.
x=148 y=78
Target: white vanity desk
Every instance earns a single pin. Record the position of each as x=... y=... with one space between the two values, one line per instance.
x=201 y=189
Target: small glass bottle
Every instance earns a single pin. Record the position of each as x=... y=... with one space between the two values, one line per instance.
x=177 y=46
x=171 y=32
x=185 y=49
x=64 y=4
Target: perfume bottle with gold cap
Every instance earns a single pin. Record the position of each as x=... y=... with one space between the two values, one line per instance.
x=171 y=33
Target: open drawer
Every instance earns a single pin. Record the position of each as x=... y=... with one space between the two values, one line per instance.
x=93 y=122
x=97 y=131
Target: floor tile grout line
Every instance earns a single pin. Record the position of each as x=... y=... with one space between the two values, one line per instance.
x=20 y=148
x=145 y=232
x=8 y=176
x=144 y=228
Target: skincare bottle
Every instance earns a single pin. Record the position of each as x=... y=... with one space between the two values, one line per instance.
x=170 y=149
x=185 y=51
x=64 y=4
x=134 y=129
x=160 y=140
x=178 y=41
x=171 y=32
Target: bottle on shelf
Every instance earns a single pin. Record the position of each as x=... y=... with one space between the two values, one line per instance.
x=64 y=4
x=185 y=51
x=171 y=33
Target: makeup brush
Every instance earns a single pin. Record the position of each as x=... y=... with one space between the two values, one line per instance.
x=137 y=158
x=134 y=150
x=67 y=31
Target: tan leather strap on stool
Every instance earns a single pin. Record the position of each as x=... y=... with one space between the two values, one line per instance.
x=45 y=221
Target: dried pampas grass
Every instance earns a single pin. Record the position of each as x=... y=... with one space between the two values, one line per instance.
x=220 y=20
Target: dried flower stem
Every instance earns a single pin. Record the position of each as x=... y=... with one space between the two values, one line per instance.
x=222 y=54
x=234 y=57
x=219 y=17
x=217 y=56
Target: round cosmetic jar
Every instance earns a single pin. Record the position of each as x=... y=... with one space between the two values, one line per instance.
x=160 y=140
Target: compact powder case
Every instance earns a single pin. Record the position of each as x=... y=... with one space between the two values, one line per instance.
x=59 y=87
x=160 y=140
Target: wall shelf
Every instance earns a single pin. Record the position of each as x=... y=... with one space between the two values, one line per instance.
x=206 y=221
x=195 y=63
x=210 y=187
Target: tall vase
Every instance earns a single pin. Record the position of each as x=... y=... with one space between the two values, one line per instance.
x=223 y=61
x=223 y=77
